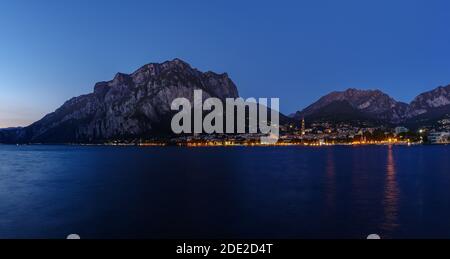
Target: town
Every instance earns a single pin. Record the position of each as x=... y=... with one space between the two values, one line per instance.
x=315 y=134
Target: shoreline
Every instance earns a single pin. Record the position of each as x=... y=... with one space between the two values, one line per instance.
x=195 y=145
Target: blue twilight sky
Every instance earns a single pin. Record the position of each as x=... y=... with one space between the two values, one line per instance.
x=295 y=50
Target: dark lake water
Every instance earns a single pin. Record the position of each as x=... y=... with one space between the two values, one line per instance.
x=170 y=192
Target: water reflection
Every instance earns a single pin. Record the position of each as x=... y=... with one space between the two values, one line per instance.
x=330 y=182
x=224 y=193
x=391 y=194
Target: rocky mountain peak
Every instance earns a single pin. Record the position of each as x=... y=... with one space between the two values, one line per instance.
x=429 y=101
x=129 y=106
x=373 y=102
x=378 y=105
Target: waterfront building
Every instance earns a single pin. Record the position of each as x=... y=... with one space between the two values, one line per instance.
x=400 y=130
x=439 y=137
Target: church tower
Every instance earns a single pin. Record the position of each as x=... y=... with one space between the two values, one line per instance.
x=303 y=129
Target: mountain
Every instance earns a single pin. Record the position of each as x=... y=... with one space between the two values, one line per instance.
x=429 y=107
x=425 y=110
x=341 y=112
x=429 y=101
x=10 y=134
x=129 y=106
x=372 y=104
x=137 y=105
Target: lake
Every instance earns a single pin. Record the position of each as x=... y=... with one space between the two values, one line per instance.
x=224 y=192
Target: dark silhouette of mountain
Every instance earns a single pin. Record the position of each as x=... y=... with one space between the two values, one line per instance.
x=8 y=135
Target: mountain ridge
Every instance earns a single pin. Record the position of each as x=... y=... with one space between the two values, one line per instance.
x=137 y=105
x=379 y=105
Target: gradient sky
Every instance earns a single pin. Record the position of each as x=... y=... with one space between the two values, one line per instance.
x=296 y=50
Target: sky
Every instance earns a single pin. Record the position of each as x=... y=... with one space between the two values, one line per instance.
x=297 y=50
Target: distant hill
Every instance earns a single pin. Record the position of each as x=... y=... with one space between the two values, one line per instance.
x=9 y=135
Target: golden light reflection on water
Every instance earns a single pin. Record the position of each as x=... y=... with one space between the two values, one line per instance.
x=391 y=194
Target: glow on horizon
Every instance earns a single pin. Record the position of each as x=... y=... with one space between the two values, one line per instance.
x=16 y=111
x=17 y=118
x=14 y=123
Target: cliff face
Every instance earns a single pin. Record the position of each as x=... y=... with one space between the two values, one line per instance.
x=129 y=106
